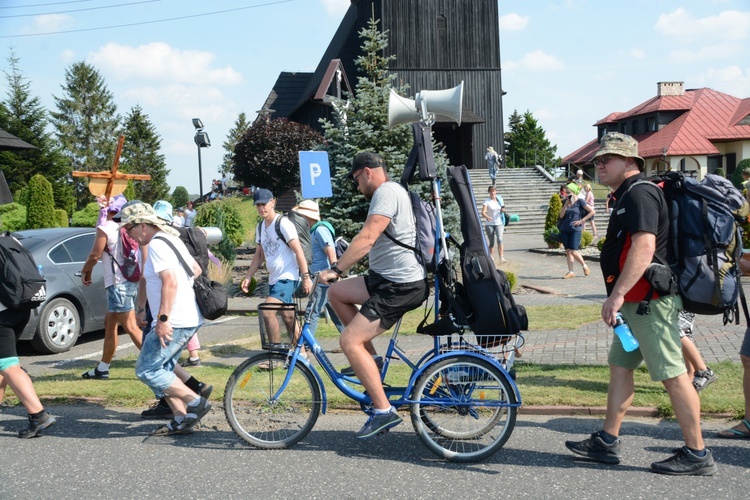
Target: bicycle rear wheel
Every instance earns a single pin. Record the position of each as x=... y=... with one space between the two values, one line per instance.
x=462 y=411
x=259 y=419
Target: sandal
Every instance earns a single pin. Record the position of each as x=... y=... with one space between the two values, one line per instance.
x=96 y=374
x=735 y=433
x=570 y=274
x=269 y=365
x=586 y=270
x=172 y=428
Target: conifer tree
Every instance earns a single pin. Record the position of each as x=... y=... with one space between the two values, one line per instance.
x=141 y=155
x=41 y=208
x=233 y=137
x=526 y=143
x=361 y=124
x=86 y=122
x=23 y=115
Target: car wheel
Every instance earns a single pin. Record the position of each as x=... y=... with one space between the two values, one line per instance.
x=59 y=327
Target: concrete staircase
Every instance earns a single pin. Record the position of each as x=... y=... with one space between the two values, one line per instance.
x=526 y=191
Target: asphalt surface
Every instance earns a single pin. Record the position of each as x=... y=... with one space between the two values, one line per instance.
x=103 y=452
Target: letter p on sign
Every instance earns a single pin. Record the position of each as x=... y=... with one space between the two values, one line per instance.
x=315 y=174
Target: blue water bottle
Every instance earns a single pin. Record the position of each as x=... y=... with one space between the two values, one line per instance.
x=629 y=342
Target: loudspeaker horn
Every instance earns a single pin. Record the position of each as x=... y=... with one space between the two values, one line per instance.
x=401 y=110
x=448 y=102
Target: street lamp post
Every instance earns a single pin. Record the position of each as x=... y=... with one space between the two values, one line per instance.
x=202 y=141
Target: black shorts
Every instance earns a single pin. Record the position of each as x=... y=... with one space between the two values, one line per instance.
x=12 y=324
x=389 y=301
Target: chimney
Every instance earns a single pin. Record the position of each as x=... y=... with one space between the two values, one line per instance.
x=670 y=88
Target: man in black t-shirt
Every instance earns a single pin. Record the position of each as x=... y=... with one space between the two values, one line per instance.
x=637 y=236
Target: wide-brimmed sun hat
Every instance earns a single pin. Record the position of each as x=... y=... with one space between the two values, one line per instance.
x=308 y=208
x=143 y=213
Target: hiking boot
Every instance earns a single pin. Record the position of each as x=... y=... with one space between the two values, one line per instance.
x=190 y=363
x=686 y=463
x=158 y=410
x=349 y=371
x=36 y=425
x=379 y=422
x=596 y=449
x=702 y=378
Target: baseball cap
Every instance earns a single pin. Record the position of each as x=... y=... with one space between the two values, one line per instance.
x=308 y=208
x=366 y=159
x=262 y=196
x=619 y=144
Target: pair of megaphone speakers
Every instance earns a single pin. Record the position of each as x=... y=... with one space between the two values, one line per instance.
x=427 y=104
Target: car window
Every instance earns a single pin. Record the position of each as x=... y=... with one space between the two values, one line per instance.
x=75 y=249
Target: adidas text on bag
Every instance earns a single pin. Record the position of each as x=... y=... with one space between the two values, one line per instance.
x=22 y=287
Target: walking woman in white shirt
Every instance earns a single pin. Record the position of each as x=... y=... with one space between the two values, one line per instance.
x=493 y=212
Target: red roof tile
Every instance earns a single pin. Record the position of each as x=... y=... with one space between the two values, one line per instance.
x=709 y=116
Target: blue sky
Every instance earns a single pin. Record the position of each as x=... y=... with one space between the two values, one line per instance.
x=568 y=62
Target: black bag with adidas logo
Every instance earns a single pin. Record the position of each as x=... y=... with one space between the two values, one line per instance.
x=22 y=287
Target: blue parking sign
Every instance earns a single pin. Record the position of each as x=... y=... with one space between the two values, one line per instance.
x=315 y=174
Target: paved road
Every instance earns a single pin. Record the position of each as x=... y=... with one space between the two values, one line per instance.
x=100 y=452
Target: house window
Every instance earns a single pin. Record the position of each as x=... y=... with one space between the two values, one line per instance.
x=624 y=128
x=442 y=23
x=651 y=124
x=634 y=126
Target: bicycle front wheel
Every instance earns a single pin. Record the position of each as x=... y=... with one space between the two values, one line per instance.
x=463 y=408
x=259 y=418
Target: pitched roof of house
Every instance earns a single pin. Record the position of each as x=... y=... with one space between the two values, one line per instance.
x=10 y=141
x=706 y=116
x=286 y=91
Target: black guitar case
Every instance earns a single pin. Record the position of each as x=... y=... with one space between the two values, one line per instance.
x=483 y=298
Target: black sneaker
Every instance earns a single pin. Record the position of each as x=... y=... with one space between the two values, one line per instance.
x=36 y=425
x=686 y=463
x=349 y=371
x=158 y=410
x=702 y=378
x=596 y=449
x=379 y=422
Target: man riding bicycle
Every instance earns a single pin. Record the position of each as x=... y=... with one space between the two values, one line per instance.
x=396 y=282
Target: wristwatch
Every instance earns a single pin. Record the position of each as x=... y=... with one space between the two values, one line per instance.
x=163 y=318
x=335 y=269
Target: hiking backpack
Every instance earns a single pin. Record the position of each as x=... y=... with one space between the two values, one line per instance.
x=195 y=240
x=339 y=243
x=22 y=286
x=303 y=232
x=425 y=223
x=129 y=268
x=705 y=242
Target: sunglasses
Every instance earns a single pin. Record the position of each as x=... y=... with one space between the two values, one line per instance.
x=355 y=177
x=130 y=228
x=603 y=160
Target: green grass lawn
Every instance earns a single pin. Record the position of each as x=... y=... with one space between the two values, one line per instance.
x=569 y=385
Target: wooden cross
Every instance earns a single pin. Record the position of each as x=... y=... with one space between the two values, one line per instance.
x=110 y=183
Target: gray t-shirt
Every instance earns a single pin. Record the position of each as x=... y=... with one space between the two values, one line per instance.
x=394 y=262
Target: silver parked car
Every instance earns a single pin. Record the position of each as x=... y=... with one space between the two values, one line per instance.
x=71 y=309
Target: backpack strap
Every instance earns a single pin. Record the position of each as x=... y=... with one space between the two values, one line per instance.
x=277 y=225
x=185 y=265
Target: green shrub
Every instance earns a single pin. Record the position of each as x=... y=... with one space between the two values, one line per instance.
x=86 y=217
x=511 y=279
x=720 y=172
x=12 y=217
x=549 y=239
x=224 y=215
x=40 y=211
x=600 y=243
x=129 y=192
x=22 y=196
x=586 y=239
x=553 y=212
x=62 y=217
